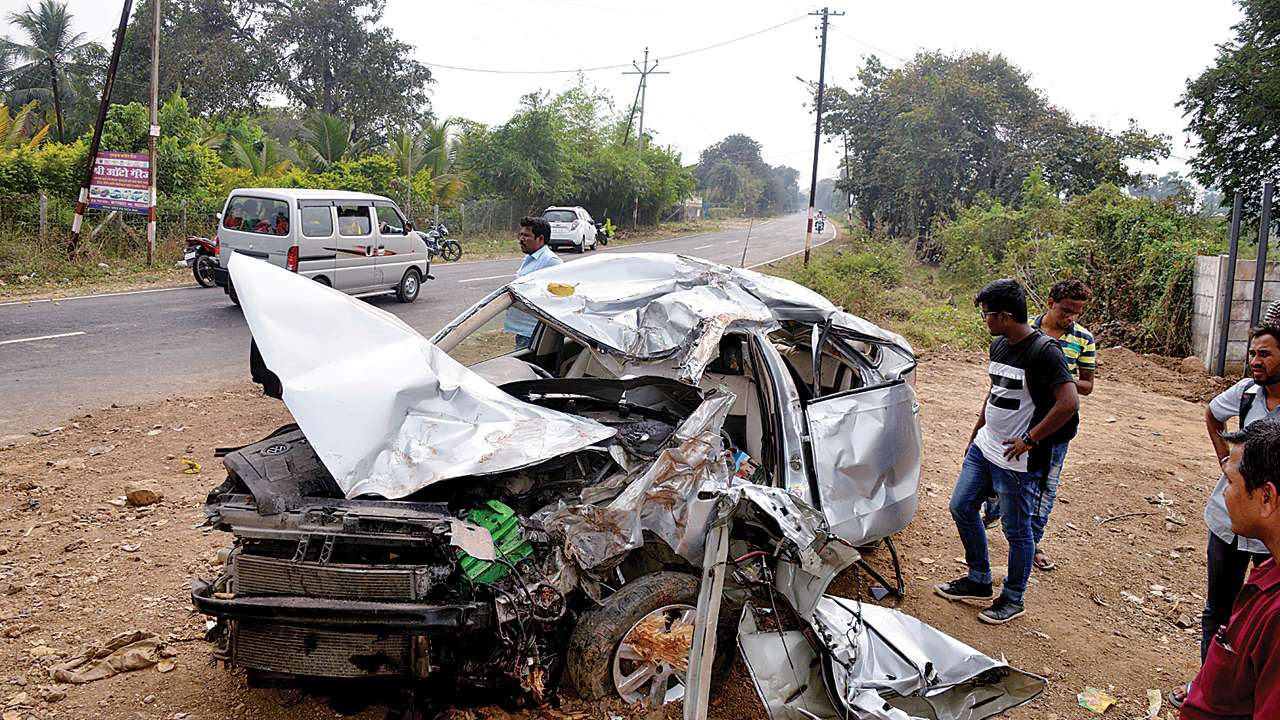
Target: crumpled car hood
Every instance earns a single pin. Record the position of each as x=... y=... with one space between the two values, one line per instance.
x=388 y=412
x=649 y=307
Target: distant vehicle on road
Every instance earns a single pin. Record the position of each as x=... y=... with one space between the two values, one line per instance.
x=358 y=243
x=571 y=227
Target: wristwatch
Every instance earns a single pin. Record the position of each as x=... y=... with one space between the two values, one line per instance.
x=1026 y=439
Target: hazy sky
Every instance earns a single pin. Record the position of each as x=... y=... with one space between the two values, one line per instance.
x=1104 y=62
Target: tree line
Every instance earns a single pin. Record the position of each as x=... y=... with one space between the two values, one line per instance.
x=320 y=93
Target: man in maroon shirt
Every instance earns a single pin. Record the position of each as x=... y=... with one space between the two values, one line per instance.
x=1240 y=677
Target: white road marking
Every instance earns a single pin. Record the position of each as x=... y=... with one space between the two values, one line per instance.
x=704 y=247
x=91 y=297
x=42 y=337
x=835 y=233
x=491 y=277
x=733 y=242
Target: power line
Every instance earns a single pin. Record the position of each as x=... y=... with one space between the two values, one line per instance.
x=897 y=57
x=734 y=40
x=617 y=66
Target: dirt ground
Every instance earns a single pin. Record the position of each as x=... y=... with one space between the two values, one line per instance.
x=1120 y=613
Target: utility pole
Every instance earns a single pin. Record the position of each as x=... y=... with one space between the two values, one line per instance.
x=82 y=202
x=154 y=130
x=817 y=133
x=644 y=73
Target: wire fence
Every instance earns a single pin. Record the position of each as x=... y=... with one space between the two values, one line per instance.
x=47 y=219
x=35 y=229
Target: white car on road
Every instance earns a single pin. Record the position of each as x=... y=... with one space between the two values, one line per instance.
x=571 y=227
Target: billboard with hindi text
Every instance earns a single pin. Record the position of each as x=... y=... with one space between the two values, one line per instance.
x=121 y=181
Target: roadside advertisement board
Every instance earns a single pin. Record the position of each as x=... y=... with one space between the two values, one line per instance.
x=121 y=181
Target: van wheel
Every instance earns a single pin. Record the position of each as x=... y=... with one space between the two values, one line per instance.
x=409 y=286
x=323 y=281
x=231 y=293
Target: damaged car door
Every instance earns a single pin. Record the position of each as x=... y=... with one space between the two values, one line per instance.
x=863 y=439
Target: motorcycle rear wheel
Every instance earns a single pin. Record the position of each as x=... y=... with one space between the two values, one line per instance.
x=202 y=269
x=451 y=251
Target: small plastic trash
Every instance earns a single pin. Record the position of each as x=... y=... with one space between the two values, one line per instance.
x=190 y=467
x=1095 y=700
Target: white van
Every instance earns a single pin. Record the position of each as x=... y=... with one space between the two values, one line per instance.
x=358 y=243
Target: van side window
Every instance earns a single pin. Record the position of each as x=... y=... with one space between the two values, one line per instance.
x=260 y=215
x=389 y=221
x=317 y=221
x=353 y=220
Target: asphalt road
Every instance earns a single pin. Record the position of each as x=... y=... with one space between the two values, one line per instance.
x=60 y=358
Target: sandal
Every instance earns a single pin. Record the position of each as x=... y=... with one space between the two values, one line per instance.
x=1042 y=561
x=1178 y=695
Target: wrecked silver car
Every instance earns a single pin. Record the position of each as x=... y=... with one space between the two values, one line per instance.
x=686 y=452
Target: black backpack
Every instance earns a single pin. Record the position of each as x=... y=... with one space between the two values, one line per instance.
x=1246 y=402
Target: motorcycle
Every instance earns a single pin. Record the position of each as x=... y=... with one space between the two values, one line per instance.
x=200 y=258
x=438 y=243
x=819 y=225
x=604 y=232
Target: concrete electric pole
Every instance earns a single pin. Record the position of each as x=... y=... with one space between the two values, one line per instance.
x=154 y=130
x=82 y=202
x=644 y=73
x=817 y=133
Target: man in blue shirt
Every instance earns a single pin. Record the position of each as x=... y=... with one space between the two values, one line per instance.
x=533 y=235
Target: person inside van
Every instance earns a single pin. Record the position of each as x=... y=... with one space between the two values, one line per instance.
x=281 y=224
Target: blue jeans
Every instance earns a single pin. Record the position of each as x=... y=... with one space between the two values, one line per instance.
x=1046 y=499
x=1017 y=492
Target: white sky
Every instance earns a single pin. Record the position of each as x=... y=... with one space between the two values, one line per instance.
x=1103 y=61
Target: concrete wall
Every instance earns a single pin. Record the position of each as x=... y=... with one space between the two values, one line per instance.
x=1209 y=292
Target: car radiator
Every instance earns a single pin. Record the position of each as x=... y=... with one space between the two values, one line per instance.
x=263 y=575
x=317 y=652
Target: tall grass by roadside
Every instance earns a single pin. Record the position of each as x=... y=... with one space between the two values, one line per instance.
x=880 y=280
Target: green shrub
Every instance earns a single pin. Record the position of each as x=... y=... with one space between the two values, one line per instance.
x=1137 y=256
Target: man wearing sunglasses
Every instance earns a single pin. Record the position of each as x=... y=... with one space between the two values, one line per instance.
x=1030 y=407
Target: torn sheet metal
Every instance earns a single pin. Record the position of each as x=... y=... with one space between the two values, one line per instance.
x=889 y=666
x=866 y=455
x=648 y=306
x=388 y=412
x=914 y=667
x=673 y=499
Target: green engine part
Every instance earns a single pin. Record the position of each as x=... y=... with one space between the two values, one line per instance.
x=503 y=524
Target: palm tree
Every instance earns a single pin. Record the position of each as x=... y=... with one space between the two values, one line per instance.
x=326 y=139
x=50 y=43
x=264 y=158
x=434 y=150
x=14 y=132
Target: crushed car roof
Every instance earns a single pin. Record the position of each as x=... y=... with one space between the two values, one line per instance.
x=657 y=306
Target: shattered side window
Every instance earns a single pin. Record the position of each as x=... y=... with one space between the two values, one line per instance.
x=486 y=343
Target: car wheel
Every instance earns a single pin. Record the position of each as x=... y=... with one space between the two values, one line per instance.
x=202 y=269
x=635 y=645
x=323 y=281
x=407 y=291
x=231 y=293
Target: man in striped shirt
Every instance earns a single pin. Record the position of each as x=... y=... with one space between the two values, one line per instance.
x=1067 y=301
